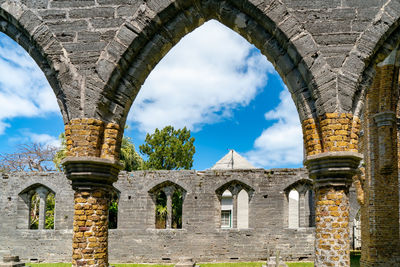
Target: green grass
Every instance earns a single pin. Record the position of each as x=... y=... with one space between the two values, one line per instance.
x=235 y=264
x=111 y=264
x=138 y=265
x=354 y=262
x=300 y=264
x=49 y=264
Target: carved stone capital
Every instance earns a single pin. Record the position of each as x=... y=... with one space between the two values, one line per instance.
x=387 y=118
x=91 y=172
x=333 y=168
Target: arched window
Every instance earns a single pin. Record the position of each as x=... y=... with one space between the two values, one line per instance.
x=113 y=212
x=226 y=209
x=177 y=203
x=293 y=209
x=161 y=210
x=34 y=210
x=50 y=207
x=168 y=198
x=243 y=209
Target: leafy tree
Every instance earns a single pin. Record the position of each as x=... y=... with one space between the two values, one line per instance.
x=130 y=159
x=49 y=218
x=61 y=153
x=168 y=149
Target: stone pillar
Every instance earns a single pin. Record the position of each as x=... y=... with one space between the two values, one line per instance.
x=92 y=180
x=235 y=209
x=301 y=189
x=332 y=173
x=169 y=191
x=92 y=164
x=380 y=212
x=42 y=192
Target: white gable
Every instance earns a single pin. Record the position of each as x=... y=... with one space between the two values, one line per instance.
x=232 y=160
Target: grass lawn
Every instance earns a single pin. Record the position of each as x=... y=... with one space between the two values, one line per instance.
x=300 y=264
x=233 y=264
x=354 y=262
x=111 y=264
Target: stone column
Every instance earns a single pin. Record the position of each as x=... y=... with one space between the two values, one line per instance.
x=92 y=164
x=332 y=173
x=235 y=209
x=42 y=192
x=169 y=191
x=301 y=189
x=92 y=180
x=380 y=213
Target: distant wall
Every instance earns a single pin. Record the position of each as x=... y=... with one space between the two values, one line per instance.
x=137 y=240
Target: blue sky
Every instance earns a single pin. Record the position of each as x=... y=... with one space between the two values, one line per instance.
x=213 y=81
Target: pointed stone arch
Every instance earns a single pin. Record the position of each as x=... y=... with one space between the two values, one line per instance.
x=31 y=33
x=141 y=43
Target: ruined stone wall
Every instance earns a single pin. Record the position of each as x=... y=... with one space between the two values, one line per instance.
x=136 y=238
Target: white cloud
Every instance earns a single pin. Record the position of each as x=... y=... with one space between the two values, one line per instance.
x=282 y=143
x=44 y=139
x=207 y=75
x=24 y=90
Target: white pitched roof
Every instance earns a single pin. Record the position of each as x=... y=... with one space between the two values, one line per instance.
x=232 y=160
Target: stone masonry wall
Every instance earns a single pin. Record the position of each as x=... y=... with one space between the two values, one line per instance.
x=137 y=240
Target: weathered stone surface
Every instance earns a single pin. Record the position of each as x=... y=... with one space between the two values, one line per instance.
x=137 y=240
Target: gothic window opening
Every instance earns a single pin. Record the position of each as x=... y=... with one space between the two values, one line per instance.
x=226 y=209
x=36 y=208
x=161 y=210
x=34 y=211
x=177 y=203
x=300 y=205
x=293 y=209
x=113 y=212
x=234 y=204
x=168 y=198
x=50 y=207
x=243 y=210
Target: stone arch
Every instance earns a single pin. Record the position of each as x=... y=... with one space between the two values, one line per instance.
x=235 y=186
x=154 y=186
x=373 y=46
x=141 y=42
x=304 y=204
x=24 y=205
x=172 y=198
x=32 y=34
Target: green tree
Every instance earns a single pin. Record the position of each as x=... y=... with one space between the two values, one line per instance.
x=168 y=149
x=61 y=153
x=130 y=159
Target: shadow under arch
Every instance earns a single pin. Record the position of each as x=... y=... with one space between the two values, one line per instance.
x=167 y=183
x=299 y=184
x=32 y=34
x=36 y=185
x=141 y=43
x=235 y=186
x=155 y=186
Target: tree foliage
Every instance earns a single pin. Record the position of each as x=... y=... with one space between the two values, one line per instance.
x=61 y=153
x=168 y=149
x=130 y=159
